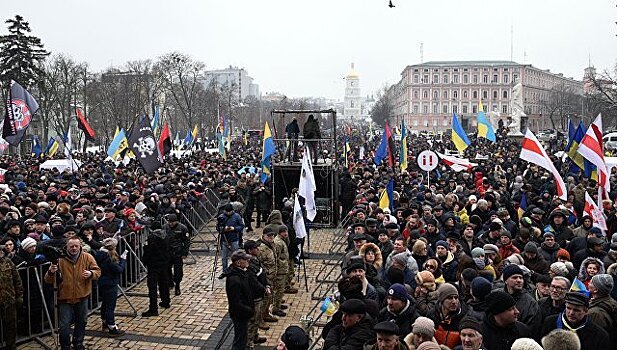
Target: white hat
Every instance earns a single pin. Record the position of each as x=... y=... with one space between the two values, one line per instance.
x=28 y=243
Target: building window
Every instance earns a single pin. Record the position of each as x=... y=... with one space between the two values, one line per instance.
x=435 y=95
x=434 y=122
x=415 y=79
x=425 y=94
x=465 y=79
x=494 y=78
x=474 y=109
x=475 y=79
x=455 y=79
x=464 y=108
x=444 y=109
x=425 y=79
x=425 y=109
x=455 y=94
x=475 y=94
x=415 y=109
x=485 y=79
x=454 y=108
x=445 y=78
x=415 y=94
x=514 y=77
x=435 y=78
x=445 y=122
x=505 y=78
x=504 y=109
x=415 y=122
x=505 y=94
x=465 y=94
x=485 y=94
x=495 y=94
x=435 y=108
x=445 y=94
x=426 y=123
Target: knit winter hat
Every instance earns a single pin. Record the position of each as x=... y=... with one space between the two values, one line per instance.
x=559 y=269
x=446 y=290
x=562 y=253
x=398 y=291
x=426 y=279
x=480 y=287
x=511 y=270
x=603 y=283
x=428 y=345
x=400 y=258
x=499 y=301
x=469 y=322
x=477 y=252
x=525 y=344
x=531 y=247
x=441 y=243
x=295 y=338
x=490 y=249
x=28 y=243
x=424 y=326
x=516 y=258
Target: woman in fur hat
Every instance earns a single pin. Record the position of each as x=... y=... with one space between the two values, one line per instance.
x=371 y=255
x=589 y=268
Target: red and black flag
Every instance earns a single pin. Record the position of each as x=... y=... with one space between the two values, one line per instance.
x=165 y=141
x=20 y=109
x=82 y=124
x=386 y=147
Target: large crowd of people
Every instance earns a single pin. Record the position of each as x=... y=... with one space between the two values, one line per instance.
x=488 y=258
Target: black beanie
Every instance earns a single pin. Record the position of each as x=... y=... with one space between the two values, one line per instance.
x=511 y=270
x=499 y=302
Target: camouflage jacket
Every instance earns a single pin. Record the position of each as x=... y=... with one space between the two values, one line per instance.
x=11 y=288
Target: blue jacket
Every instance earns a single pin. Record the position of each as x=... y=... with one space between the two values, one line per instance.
x=234 y=220
x=110 y=271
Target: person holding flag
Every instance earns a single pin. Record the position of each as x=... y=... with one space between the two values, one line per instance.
x=403 y=152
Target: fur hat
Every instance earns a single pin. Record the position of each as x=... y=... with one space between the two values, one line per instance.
x=426 y=279
x=424 y=326
x=525 y=344
x=418 y=247
x=560 y=339
x=516 y=258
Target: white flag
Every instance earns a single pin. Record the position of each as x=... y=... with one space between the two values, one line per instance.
x=298 y=220
x=68 y=151
x=361 y=153
x=307 y=186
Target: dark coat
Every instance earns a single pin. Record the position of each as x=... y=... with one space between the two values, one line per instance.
x=178 y=238
x=234 y=220
x=156 y=252
x=501 y=338
x=353 y=338
x=239 y=294
x=257 y=278
x=110 y=270
x=547 y=309
x=592 y=337
x=404 y=320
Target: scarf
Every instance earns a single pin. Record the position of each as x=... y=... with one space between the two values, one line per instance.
x=562 y=323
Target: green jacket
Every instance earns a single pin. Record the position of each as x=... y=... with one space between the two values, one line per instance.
x=11 y=288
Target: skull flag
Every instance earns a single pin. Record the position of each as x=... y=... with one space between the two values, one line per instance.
x=143 y=144
x=20 y=110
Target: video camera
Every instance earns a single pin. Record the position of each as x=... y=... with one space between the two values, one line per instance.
x=51 y=253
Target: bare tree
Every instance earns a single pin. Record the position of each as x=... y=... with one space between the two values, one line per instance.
x=602 y=97
x=560 y=103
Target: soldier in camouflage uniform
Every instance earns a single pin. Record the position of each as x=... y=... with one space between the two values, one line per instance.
x=267 y=257
x=282 y=270
x=11 y=299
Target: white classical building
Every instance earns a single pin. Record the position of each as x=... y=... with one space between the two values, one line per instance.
x=353 y=96
x=233 y=77
x=428 y=93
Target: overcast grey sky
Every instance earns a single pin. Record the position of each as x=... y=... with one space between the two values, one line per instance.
x=304 y=48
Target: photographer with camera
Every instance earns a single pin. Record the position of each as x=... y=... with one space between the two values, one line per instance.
x=11 y=299
x=229 y=226
x=73 y=275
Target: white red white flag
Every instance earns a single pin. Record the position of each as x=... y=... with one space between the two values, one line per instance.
x=596 y=214
x=533 y=152
x=591 y=149
x=457 y=164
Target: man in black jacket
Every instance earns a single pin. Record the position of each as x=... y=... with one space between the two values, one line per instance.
x=500 y=328
x=355 y=329
x=156 y=259
x=240 y=298
x=575 y=318
x=179 y=242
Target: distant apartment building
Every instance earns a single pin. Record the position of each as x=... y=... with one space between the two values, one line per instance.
x=232 y=77
x=428 y=93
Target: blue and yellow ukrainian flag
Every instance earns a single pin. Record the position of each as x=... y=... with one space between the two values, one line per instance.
x=155 y=120
x=522 y=207
x=579 y=287
x=402 y=155
x=37 y=149
x=386 y=199
x=118 y=144
x=52 y=147
x=484 y=128
x=459 y=138
x=268 y=150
